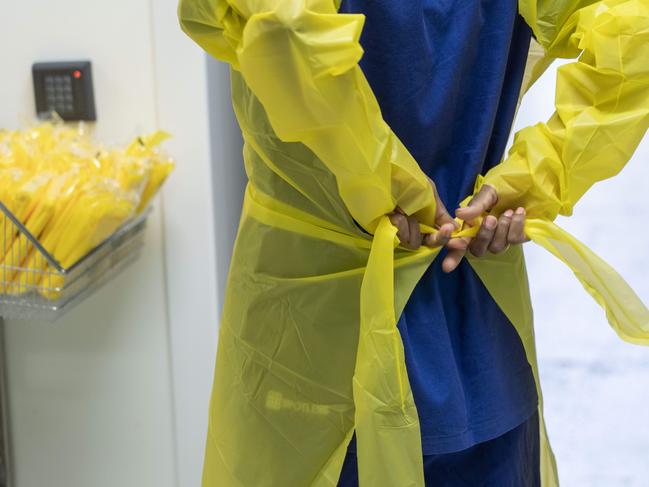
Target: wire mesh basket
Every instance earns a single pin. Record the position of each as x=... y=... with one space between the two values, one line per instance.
x=34 y=285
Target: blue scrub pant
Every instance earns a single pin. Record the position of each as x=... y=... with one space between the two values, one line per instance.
x=510 y=460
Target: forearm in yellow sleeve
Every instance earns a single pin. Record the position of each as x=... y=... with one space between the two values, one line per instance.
x=602 y=109
x=300 y=58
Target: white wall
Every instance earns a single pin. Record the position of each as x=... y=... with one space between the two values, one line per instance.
x=90 y=397
x=596 y=386
x=202 y=207
x=117 y=391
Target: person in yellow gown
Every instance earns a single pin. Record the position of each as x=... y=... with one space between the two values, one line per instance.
x=309 y=347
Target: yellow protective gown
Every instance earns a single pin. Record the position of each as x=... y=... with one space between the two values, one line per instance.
x=308 y=346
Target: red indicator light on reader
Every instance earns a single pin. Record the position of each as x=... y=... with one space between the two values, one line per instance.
x=76 y=73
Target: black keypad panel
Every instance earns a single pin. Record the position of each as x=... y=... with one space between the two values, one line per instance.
x=58 y=94
x=64 y=88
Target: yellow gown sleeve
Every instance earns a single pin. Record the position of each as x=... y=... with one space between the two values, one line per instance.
x=602 y=113
x=602 y=104
x=300 y=58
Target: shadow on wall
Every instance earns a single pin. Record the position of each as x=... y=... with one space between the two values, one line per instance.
x=227 y=166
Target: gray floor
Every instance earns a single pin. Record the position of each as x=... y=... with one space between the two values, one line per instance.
x=596 y=386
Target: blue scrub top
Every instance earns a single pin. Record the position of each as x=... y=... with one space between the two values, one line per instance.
x=447 y=75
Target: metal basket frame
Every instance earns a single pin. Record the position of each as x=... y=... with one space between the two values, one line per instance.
x=73 y=283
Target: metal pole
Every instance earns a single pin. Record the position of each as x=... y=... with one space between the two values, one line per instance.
x=5 y=465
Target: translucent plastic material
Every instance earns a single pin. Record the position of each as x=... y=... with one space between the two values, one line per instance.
x=602 y=102
x=308 y=347
x=71 y=194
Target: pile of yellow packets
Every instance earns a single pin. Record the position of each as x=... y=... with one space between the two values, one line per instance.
x=71 y=193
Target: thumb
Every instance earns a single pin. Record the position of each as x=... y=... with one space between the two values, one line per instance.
x=484 y=201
